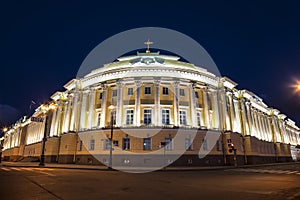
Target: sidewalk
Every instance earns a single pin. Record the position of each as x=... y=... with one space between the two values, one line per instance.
x=98 y=167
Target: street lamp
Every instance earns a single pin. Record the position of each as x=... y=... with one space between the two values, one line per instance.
x=45 y=109
x=111 y=107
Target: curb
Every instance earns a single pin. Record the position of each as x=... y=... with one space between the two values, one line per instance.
x=167 y=169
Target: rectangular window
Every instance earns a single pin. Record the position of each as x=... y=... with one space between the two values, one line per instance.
x=114 y=93
x=130 y=91
x=182 y=116
x=100 y=95
x=106 y=144
x=147 y=144
x=165 y=116
x=181 y=92
x=80 y=145
x=188 y=144
x=129 y=116
x=116 y=143
x=198 y=118
x=99 y=119
x=219 y=146
x=165 y=91
x=147 y=90
x=126 y=144
x=205 y=148
x=92 y=145
x=197 y=95
x=168 y=142
x=147 y=116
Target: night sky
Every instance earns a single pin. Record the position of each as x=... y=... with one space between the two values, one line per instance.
x=43 y=43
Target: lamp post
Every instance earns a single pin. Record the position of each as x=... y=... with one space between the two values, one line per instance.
x=45 y=109
x=111 y=136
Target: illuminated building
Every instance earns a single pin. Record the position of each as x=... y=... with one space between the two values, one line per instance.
x=149 y=93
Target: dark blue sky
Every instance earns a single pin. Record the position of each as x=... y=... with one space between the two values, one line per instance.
x=42 y=43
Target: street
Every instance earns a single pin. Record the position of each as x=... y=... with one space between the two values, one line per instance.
x=265 y=182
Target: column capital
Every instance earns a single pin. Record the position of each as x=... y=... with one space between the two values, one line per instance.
x=157 y=82
x=176 y=83
x=138 y=83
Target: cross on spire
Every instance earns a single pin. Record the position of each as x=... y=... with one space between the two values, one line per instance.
x=148 y=43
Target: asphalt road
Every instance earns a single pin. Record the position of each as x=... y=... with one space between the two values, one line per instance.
x=271 y=182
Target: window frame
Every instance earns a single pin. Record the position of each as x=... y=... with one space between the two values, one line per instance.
x=182 y=118
x=130 y=92
x=147 y=145
x=181 y=92
x=148 y=114
x=165 y=91
x=146 y=90
x=163 y=119
x=131 y=118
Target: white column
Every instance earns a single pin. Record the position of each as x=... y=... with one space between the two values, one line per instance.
x=260 y=126
x=63 y=125
x=83 y=110
x=231 y=110
x=224 y=123
x=249 y=118
x=67 y=116
x=270 y=134
x=103 y=105
x=73 y=124
x=193 y=106
x=206 y=109
x=245 y=127
x=137 y=114
x=237 y=126
x=258 y=132
x=91 y=116
x=119 y=109
x=216 y=110
x=53 y=121
x=176 y=103
x=58 y=119
x=157 y=119
x=264 y=126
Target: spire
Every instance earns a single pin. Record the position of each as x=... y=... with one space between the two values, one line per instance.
x=148 y=43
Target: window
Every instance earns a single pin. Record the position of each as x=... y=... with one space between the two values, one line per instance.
x=147 y=116
x=147 y=90
x=92 y=145
x=188 y=144
x=116 y=143
x=182 y=116
x=100 y=95
x=197 y=95
x=147 y=144
x=80 y=145
x=106 y=144
x=99 y=119
x=205 y=148
x=129 y=116
x=168 y=142
x=126 y=144
x=198 y=118
x=165 y=116
x=130 y=91
x=165 y=90
x=114 y=93
x=181 y=92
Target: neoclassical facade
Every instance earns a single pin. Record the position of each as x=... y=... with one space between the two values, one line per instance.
x=148 y=97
